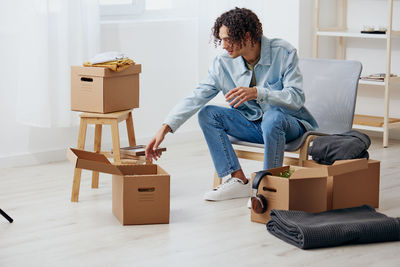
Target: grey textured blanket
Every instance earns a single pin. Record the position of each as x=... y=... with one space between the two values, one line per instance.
x=333 y=228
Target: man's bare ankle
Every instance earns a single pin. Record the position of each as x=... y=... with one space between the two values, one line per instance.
x=240 y=175
x=243 y=178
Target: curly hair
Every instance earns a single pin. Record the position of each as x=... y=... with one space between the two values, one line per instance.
x=238 y=21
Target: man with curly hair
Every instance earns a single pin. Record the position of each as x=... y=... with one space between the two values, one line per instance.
x=262 y=83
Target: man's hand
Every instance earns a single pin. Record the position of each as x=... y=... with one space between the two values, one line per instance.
x=151 y=148
x=239 y=95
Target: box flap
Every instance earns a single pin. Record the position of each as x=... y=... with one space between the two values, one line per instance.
x=133 y=69
x=104 y=72
x=345 y=166
x=91 y=161
x=87 y=71
x=339 y=167
x=302 y=173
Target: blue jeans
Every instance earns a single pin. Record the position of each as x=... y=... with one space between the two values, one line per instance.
x=274 y=130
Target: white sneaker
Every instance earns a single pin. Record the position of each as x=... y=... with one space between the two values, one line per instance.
x=231 y=188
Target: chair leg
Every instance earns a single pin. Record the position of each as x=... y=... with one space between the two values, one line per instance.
x=116 y=143
x=78 y=172
x=217 y=180
x=303 y=154
x=131 y=130
x=97 y=147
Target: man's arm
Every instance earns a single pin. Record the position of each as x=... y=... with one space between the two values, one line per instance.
x=204 y=92
x=289 y=93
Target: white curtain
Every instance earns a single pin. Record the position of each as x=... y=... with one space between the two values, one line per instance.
x=52 y=36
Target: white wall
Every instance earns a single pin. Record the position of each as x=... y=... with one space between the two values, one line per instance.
x=168 y=52
x=306 y=25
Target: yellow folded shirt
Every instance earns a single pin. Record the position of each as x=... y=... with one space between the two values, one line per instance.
x=116 y=65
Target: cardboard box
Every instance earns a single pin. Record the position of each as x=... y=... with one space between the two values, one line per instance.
x=305 y=190
x=140 y=193
x=354 y=188
x=101 y=90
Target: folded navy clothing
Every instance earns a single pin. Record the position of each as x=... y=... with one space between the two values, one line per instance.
x=349 y=145
x=333 y=228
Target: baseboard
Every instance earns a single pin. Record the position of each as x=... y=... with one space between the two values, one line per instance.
x=58 y=154
x=34 y=158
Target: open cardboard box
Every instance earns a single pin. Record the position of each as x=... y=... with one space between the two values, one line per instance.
x=101 y=90
x=305 y=190
x=140 y=193
x=353 y=187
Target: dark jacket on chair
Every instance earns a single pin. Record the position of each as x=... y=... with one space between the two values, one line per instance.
x=348 y=145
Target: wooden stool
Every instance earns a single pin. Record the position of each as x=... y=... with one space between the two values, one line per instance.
x=111 y=119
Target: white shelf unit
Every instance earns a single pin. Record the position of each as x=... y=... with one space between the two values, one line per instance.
x=366 y=122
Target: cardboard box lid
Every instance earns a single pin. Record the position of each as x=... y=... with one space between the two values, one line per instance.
x=105 y=72
x=91 y=161
x=337 y=168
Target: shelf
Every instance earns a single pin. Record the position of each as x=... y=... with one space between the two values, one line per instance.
x=341 y=32
x=372 y=121
x=353 y=34
x=379 y=83
x=393 y=81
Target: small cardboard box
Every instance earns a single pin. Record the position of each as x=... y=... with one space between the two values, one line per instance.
x=140 y=193
x=101 y=90
x=305 y=190
x=353 y=188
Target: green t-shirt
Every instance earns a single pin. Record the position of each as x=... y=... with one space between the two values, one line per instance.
x=253 y=76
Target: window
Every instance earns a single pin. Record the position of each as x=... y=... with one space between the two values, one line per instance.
x=127 y=10
x=121 y=7
x=158 y=4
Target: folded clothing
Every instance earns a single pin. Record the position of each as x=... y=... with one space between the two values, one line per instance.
x=349 y=145
x=106 y=57
x=333 y=228
x=115 y=61
x=116 y=65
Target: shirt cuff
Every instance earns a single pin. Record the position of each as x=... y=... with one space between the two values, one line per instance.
x=174 y=126
x=262 y=95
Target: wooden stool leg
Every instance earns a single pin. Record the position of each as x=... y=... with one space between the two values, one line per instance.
x=131 y=130
x=78 y=172
x=217 y=180
x=97 y=147
x=116 y=144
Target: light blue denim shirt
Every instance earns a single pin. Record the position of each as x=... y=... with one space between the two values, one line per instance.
x=279 y=85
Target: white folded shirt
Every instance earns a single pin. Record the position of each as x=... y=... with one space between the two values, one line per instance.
x=107 y=56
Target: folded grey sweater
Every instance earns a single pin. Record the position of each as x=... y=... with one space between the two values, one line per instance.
x=333 y=228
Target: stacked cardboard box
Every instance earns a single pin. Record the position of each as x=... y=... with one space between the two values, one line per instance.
x=101 y=90
x=140 y=193
x=316 y=188
x=353 y=187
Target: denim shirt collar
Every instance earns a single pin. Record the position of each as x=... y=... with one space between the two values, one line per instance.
x=265 y=57
x=265 y=51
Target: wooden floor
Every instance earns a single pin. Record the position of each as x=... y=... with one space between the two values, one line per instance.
x=49 y=230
